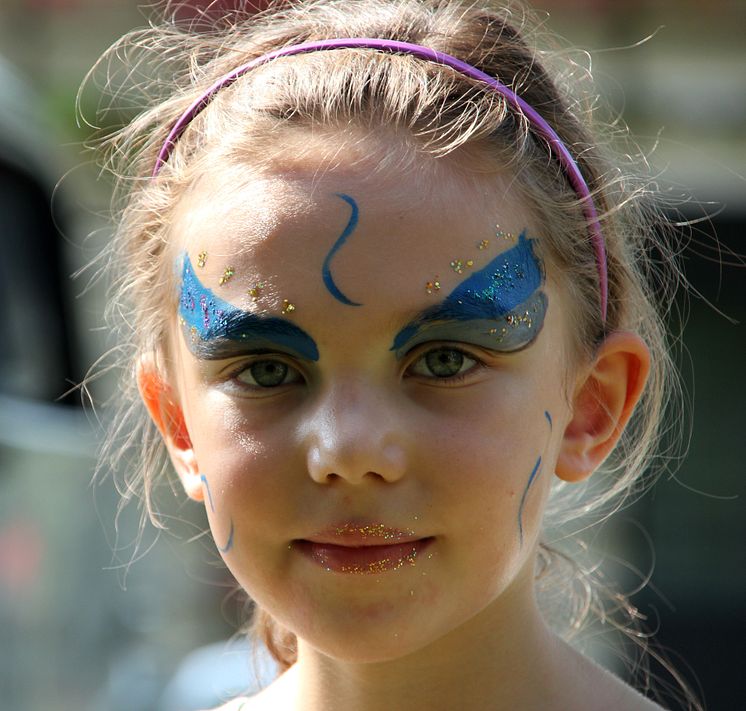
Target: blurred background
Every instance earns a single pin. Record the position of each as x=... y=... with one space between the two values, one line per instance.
x=82 y=625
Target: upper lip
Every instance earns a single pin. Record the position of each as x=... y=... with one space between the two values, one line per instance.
x=357 y=534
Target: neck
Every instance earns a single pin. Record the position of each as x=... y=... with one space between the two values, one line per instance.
x=504 y=653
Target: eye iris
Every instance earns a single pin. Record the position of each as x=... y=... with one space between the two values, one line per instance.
x=444 y=363
x=269 y=373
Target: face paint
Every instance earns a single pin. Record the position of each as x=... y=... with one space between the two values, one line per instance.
x=229 y=544
x=531 y=478
x=500 y=307
x=530 y=481
x=215 y=329
x=326 y=273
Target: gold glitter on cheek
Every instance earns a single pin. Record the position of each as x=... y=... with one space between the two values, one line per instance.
x=469 y=262
x=201 y=259
x=484 y=244
x=287 y=307
x=227 y=276
x=458 y=266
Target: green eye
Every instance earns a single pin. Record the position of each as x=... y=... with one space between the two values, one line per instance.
x=444 y=362
x=265 y=373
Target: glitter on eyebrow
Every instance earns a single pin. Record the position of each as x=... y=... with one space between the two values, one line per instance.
x=201 y=259
x=432 y=286
x=227 y=275
x=506 y=295
x=287 y=307
x=256 y=291
x=212 y=325
x=502 y=234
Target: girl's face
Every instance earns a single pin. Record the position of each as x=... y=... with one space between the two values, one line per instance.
x=373 y=378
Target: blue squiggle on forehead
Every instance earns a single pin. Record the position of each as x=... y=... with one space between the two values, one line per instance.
x=502 y=303
x=212 y=326
x=326 y=272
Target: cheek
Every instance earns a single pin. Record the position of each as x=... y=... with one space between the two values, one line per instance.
x=246 y=459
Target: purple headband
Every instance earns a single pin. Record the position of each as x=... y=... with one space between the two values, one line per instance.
x=558 y=148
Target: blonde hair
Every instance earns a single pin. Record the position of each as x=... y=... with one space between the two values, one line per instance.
x=441 y=113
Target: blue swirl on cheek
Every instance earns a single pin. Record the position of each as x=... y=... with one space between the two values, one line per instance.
x=502 y=305
x=229 y=544
x=531 y=478
x=326 y=273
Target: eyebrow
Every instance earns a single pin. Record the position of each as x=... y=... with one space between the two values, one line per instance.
x=215 y=329
x=501 y=306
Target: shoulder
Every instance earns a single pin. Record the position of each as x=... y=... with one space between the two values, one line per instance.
x=587 y=686
x=240 y=704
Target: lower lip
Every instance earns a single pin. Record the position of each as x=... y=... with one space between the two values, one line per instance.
x=363 y=560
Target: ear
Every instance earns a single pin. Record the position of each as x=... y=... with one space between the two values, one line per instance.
x=168 y=417
x=604 y=400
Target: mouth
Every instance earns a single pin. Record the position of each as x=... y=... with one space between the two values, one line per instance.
x=363 y=549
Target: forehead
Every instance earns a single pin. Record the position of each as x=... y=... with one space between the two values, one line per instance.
x=375 y=231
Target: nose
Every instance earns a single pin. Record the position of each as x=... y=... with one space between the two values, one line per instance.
x=355 y=435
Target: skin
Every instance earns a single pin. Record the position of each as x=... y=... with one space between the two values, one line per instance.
x=368 y=434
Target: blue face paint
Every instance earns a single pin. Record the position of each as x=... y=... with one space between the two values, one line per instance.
x=215 y=329
x=229 y=544
x=523 y=498
x=531 y=478
x=326 y=273
x=500 y=307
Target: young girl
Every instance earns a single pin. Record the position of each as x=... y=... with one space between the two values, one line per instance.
x=392 y=318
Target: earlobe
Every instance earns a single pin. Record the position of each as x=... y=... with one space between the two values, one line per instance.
x=603 y=403
x=168 y=417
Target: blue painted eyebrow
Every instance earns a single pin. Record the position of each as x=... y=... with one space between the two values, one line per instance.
x=215 y=329
x=500 y=307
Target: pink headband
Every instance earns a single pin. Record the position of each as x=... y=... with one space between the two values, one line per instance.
x=557 y=147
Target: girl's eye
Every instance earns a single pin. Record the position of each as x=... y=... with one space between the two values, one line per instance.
x=268 y=374
x=443 y=363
